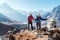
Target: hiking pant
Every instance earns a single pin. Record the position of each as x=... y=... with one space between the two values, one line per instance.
x=30 y=23
x=38 y=24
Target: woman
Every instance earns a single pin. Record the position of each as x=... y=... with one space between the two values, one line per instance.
x=38 y=21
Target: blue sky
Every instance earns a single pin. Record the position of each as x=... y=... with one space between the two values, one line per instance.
x=32 y=5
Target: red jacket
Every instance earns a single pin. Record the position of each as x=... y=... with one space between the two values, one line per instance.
x=30 y=18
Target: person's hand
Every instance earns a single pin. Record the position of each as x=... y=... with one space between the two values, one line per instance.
x=33 y=19
x=47 y=19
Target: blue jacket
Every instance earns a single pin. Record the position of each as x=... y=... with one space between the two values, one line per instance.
x=39 y=18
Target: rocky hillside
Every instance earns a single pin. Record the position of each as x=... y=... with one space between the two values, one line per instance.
x=5 y=28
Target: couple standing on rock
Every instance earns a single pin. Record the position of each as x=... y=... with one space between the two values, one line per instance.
x=37 y=19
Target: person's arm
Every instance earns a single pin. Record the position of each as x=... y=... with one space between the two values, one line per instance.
x=32 y=17
x=42 y=18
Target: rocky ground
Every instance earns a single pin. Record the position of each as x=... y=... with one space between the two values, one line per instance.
x=53 y=34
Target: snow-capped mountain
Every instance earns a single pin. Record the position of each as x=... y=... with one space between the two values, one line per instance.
x=55 y=14
x=11 y=13
x=46 y=14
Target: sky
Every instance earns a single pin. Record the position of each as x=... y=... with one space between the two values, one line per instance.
x=32 y=5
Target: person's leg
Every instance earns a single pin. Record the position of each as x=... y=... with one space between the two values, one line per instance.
x=31 y=25
x=39 y=25
x=28 y=26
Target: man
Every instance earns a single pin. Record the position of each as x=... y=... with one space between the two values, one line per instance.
x=38 y=21
x=30 y=18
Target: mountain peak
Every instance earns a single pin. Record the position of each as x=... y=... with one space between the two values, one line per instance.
x=58 y=5
x=56 y=9
x=5 y=6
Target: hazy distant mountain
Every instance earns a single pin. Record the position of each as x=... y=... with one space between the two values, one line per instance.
x=3 y=18
x=11 y=13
